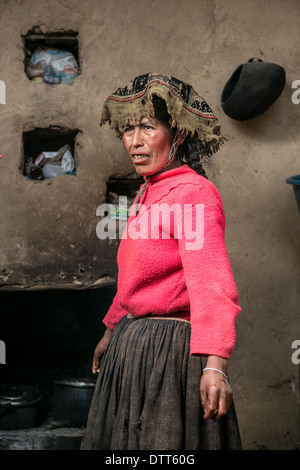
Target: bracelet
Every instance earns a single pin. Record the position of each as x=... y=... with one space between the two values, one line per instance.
x=212 y=368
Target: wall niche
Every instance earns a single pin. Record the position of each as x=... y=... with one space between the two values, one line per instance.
x=51 y=58
x=117 y=187
x=49 y=152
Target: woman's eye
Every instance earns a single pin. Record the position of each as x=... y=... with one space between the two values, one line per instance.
x=127 y=129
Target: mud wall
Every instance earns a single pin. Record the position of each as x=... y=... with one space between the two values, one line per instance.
x=48 y=228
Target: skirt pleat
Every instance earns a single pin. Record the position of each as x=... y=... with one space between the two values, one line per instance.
x=147 y=393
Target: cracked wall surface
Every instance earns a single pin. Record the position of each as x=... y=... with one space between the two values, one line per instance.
x=48 y=229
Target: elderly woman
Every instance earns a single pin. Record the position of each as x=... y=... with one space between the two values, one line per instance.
x=162 y=382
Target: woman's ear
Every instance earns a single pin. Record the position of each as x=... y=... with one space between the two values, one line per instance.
x=182 y=138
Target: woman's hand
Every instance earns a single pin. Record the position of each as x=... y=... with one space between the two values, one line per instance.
x=215 y=390
x=99 y=350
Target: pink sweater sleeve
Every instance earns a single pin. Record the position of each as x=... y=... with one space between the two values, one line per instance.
x=114 y=314
x=213 y=295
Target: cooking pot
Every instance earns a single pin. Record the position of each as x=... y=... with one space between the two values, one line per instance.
x=71 y=401
x=19 y=406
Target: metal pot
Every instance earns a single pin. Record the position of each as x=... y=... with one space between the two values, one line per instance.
x=71 y=401
x=19 y=406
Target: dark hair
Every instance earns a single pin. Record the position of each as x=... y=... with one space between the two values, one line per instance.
x=192 y=151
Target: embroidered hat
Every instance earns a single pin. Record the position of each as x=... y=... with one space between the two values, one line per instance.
x=189 y=112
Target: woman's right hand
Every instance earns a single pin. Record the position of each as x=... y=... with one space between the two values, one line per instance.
x=99 y=350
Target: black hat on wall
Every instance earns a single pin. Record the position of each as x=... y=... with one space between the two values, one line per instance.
x=252 y=89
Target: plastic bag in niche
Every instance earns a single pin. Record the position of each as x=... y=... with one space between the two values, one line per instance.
x=56 y=163
x=52 y=66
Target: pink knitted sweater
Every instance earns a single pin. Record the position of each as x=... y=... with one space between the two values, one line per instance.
x=173 y=261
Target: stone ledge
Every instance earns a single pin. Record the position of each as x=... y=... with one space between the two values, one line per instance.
x=42 y=438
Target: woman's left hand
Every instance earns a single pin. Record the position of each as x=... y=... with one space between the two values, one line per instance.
x=215 y=390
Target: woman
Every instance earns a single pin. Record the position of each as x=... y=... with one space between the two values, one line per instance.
x=170 y=330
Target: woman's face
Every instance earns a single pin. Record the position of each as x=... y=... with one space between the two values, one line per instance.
x=148 y=144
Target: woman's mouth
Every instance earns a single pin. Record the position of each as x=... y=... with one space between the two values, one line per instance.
x=139 y=158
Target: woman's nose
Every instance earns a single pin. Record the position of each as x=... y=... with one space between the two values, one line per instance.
x=137 y=138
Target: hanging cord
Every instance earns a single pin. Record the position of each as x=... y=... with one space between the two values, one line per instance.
x=172 y=153
x=171 y=157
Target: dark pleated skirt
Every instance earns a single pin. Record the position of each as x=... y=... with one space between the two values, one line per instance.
x=147 y=393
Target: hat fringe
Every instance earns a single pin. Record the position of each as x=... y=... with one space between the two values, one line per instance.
x=120 y=110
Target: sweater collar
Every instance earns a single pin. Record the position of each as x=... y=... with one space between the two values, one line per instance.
x=181 y=170
x=148 y=181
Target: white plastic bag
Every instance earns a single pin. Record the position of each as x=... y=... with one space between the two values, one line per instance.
x=52 y=170
x=63 y=162
x=53 y=66
x=67 y=162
